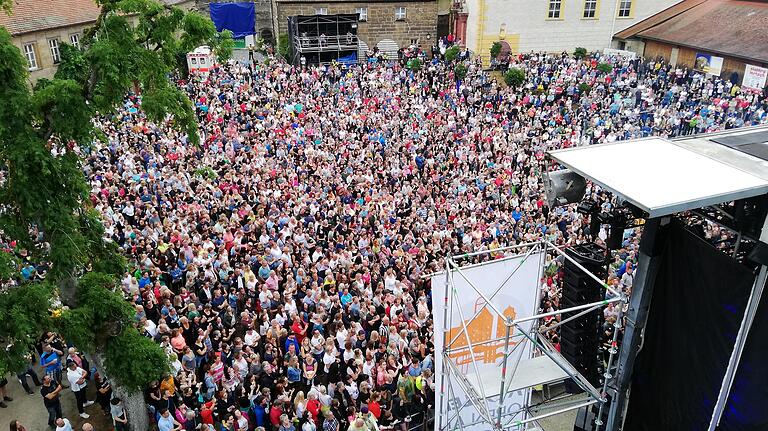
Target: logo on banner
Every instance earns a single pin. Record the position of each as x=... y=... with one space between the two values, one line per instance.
x=486 y=333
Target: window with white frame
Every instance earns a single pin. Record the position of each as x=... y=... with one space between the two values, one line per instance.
x=321 y=11
x=555 y=7
x=29 y=54
x=362 y=12
x=400 y=13
x=53 y=44
x=625 y=8
x=590 y=8
x=74 y=40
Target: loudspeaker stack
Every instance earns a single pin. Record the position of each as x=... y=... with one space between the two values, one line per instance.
x=580 y=338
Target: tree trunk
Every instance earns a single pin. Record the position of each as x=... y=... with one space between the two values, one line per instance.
x=134 y=404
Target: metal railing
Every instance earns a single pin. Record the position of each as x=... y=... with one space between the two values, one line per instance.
x=343 y=42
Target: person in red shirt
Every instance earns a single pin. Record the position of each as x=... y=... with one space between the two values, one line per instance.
x=313 y=406
x=373 y=405
x=299 y=327
x=275 y=412
x=206 y=413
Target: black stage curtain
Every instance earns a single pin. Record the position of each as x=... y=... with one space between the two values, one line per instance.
x=698 y=302
x=747 y=406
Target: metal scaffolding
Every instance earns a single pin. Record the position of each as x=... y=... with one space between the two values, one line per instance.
x=502 y=417
x=323 y=39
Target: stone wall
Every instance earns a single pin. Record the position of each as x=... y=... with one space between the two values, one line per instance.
x=420 y=20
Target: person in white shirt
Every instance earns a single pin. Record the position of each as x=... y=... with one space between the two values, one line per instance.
x=63 y=425
x=78 y=379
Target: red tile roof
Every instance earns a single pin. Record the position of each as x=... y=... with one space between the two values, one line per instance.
x=35 y=15
x=735 y=28
x=658 y=18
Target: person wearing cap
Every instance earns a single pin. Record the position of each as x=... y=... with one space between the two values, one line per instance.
x=369 y=419
x=78 y=380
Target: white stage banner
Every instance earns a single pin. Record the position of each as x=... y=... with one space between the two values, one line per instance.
x=511 y=285
x=754 y=77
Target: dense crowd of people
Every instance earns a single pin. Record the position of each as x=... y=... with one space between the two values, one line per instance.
x=280 y=263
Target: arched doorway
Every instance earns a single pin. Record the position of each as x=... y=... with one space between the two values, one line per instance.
x=388 y=47
x=362 y=50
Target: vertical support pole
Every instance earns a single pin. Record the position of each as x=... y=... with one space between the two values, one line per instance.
x=741 y=338
x=503 y=374
x=443 y=392
x=608 y=376
x=648 y=264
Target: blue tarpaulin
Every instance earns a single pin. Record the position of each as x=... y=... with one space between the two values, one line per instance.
x=239 y=18
x=349 y=59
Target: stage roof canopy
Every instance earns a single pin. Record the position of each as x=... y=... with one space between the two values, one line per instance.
x=664 y=177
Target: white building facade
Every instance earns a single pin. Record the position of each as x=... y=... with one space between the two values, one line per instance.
x=548 y=25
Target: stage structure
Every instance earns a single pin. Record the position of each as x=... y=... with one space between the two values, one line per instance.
x=491 y=348
x=695 y=175
x=323 y=39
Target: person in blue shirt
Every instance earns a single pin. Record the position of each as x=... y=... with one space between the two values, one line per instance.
x=144 y=281
x=50 y=361
x=291 y=340
x=345 y=297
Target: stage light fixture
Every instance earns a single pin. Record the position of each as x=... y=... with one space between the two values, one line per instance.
x=586 y=207
x=563 y=187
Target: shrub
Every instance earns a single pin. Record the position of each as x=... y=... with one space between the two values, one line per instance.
x=460 y=71
x=495 y=49
x=284 y=46
x=414 y=64
x=584 y=88
x=452 y=52
x=514 y=77
x=580 y=52
x=604 y=67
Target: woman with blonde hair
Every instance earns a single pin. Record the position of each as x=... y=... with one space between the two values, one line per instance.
x=299 y=404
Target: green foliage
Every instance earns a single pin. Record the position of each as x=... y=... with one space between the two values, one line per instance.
x=103 y=321
x=460 y=71
x=77 y=327
x=206 y=172
x=9 y=266
x=225 y=45
x=73 y=64
x=133 y=45
x=604 y=68
x=109 y=260
x=495 y=49
x=580 y=52
x=514 y=77
x=135 y=360
x=24 y=309
x=284 y=46
x=452 y=52
x=584 y=88
x=415 y=64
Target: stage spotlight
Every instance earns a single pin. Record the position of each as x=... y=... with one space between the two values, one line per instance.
x=586 y=207
x=564 y=187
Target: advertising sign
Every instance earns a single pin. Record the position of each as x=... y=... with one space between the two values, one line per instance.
x=628 y=55
x=511 y=285
x=708 y=64
x=754 y=77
